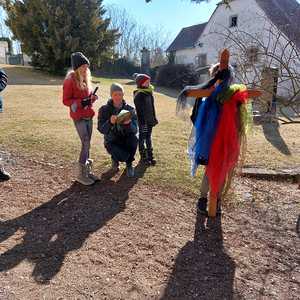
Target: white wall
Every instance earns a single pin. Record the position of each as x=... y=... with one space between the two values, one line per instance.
x=3 y=50
x=27 y=59
x=186 y=56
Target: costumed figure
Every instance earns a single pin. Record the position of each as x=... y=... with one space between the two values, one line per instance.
x=221 y=117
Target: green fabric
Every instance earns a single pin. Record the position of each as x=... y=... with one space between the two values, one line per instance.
x=148 y=90
x=228 y=93
x=246 y=118
x=246 y=114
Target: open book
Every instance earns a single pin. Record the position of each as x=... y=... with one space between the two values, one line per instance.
x=123 y=116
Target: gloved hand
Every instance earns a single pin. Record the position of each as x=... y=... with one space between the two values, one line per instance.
x=86 y=102
x=222 y=75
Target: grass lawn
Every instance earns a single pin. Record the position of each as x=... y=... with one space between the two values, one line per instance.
x=36 y=123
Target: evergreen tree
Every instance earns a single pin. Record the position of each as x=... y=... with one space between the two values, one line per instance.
x=50 y=30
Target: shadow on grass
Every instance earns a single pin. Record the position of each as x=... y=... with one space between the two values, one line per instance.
x=203 y=269
x=273 y=136
x=63 y=224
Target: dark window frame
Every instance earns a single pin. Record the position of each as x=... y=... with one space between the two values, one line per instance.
x=233 y=21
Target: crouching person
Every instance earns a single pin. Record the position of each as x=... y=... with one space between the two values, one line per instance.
x=117 y=121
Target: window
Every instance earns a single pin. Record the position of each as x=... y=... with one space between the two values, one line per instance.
x=201 y=60
x=252 y=55
x=180 y=59
x=233 y=21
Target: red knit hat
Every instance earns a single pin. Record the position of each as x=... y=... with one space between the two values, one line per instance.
x=140 y=79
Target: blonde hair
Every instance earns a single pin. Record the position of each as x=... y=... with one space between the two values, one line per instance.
x=83 y=82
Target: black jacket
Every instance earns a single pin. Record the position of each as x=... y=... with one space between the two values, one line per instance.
x=115 y=133
x=220 y=75
x=198 y=101
x=144 y=104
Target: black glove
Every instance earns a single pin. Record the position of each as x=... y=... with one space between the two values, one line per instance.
x=222 y=75
x=86 y=102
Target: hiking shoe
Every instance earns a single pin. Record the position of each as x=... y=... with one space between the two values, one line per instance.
x=90 y=170
x=144 y=157
x=130 y=171
x=114 y=165
x=151 y=160
x=83 y=177
x=4 y=176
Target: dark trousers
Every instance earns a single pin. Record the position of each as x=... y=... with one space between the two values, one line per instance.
x=123 y=150
x=145 y=132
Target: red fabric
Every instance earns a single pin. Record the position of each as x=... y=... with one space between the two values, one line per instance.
x=226 y=145
x=73 y=94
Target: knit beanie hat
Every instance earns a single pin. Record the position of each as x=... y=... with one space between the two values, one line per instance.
x=116 y=87
x=78 y=59
x=140 y=79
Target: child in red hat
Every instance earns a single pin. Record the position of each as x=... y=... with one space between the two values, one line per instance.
x=145 y=109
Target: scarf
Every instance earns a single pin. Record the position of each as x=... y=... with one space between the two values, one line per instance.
x=148 y=90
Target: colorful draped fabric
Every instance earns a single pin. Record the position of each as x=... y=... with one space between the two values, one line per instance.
x=222 y=120
x=225 y=149
x=205 y=126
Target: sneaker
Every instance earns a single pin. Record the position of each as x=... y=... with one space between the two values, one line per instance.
x=202 y=206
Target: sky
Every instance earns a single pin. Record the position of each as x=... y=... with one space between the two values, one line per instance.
x=173 y=15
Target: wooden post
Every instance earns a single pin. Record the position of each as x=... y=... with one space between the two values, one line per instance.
x=212 y=206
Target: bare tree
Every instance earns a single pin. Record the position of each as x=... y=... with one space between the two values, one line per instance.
x=270 y=62
x=135 y=36
x=227 y=2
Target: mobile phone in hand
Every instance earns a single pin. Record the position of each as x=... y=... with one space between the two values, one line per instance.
x=95 y=91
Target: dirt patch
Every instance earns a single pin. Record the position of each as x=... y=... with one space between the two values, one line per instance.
x=122 y=239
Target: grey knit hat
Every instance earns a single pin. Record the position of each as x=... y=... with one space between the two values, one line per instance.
x=78 y=59
x=116 y=87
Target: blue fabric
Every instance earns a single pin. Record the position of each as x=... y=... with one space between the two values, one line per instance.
x=206 y=124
